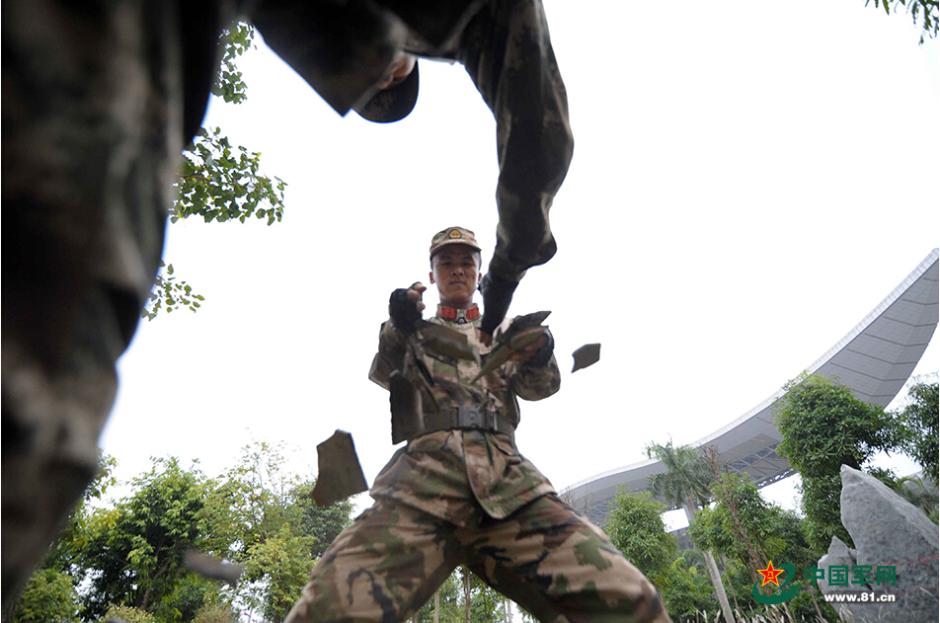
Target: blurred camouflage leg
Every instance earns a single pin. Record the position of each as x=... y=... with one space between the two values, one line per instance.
x=383 y=567
x=561 y=567
x=91 y=137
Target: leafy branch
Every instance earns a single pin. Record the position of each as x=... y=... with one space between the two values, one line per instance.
x=221 y=182
x=228 y=83
x=168 y=294
x=923 y=10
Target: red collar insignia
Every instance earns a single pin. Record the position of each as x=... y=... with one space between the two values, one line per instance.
x=460 y=316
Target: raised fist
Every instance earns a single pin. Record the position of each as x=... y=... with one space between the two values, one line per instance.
x=405 y=307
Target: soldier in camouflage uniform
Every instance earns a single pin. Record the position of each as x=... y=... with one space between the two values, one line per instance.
x=460 y=491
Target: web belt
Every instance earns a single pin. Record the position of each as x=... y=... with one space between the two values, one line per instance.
x=467 y=417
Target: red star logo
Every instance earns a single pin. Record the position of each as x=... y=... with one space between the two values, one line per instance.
x=770 y=575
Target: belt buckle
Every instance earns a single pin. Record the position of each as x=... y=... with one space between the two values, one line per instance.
x=490 y=421
x=469 y=416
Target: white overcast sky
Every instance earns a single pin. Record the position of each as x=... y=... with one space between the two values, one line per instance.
x=750 y=179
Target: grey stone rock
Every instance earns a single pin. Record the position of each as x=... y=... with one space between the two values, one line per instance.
x=888 y=531
x=841 y=555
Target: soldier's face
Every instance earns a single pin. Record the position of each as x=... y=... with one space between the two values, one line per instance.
x=456 y=272
x=400 y=69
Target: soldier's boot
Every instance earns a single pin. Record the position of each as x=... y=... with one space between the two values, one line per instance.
x=497 y=295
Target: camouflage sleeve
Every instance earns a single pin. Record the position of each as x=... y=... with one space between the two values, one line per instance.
x=390 y=356
x=507 y=52
x=536 y=382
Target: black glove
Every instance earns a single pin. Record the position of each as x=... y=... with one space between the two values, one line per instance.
x=543 y=355
x=403 y=311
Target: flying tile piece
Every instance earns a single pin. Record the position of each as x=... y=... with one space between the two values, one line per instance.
x=340 y=474
x=511 y=341
x=211 y=567
x=523 y=322
x=587 y=355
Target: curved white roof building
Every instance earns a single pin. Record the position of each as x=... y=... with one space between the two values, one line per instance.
x=874 y=360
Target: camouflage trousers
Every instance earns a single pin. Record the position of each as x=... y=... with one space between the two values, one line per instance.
x=546 y=557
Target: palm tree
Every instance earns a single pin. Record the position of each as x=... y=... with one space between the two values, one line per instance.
x=686 y=484
x=919 y=491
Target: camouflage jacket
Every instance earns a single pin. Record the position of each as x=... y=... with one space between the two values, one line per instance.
x=436 y=471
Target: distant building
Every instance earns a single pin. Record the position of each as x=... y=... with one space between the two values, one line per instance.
x=874 y=360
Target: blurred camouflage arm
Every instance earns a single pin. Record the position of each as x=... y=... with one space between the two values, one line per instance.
x=390 y=356
x=507 y=51
x=534 y=382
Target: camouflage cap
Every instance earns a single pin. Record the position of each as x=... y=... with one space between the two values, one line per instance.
x=453 y=235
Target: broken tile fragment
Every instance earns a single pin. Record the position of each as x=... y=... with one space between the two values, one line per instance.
x=211 y=567
x=339 y=472
x=587 y=355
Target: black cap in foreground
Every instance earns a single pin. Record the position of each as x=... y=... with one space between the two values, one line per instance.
x=394 y=103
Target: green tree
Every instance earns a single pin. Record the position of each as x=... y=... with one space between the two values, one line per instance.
x=446 y=602
x=747 y=532
x=215 y=613
x=255 y=497
x=734 y=526
x=128 y=614
x=462 y=598
x=481 y=603
x=824 y=426
x=258 y=497
x=686 y=588
x=918 y=422
x=686 y=484
x=49 y=595
x=744 y=526
x=128 y=553
x=922 y=494
x=273 y=527
x=636 y=528
x=820 y=497
x=132 y=554
x=282 y=562
x=323 y=523
x=188 y=595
